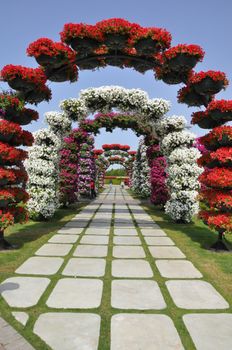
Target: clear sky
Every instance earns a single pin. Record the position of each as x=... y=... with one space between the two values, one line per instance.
x=203 y=22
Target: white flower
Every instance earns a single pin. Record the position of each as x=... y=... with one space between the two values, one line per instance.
x=166 y=125
x=184 y=155
x=58 y=122
x=176 y=139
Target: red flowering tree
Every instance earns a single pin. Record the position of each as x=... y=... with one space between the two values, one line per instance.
x=13 y=177
x=216 y=195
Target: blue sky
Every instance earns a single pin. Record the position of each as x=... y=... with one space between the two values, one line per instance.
x=206 y=23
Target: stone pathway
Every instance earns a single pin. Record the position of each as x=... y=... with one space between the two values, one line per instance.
x=101 y=287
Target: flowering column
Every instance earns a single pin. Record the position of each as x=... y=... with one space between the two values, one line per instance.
x=13 y=176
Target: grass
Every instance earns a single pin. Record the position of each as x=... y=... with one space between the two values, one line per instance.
x=193 y=239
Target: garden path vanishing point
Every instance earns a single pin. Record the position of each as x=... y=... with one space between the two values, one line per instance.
x=111 y=278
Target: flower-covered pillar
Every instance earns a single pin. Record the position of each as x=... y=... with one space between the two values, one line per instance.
x=42 y=166
x=177 y=146
x=158 y=164
x=69 y=163
x=86 y=166
x=13 y=176
x=141 y=172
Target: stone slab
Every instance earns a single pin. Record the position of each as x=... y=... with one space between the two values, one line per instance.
x=153 y=232
x=70 y=231
x=85 y=267
x=77 y=224
x=10 y=339
x=21 y=317
x=76 y=293
x=166 y=252
x=54 y=249
x=136 y=294
x=97 y=231
x=159 y=241
x=94 y=251
x=63 y=238
x=69 y=331
x=131 y=268
x=125 y=232
x=95 y=240
x=144 y=332
x=210 y=331
x=195 y=294
x=128 y=252
x=17 y=291
x=177 y=269
x=40 y=266
x=124 y=240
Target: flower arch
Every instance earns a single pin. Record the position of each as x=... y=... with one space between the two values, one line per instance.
x=120 y=43
x=147 y=114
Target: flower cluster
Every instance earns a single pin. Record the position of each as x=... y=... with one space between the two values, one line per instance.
x=32 y=75
x=217 y=178
x=216 y=220
x=116 y=146
x=112 y=120
x=214 y=75
x=157 y=163
x=42 y=167
x=190 y=50
x=141 y=183
x=134 y=34
x=218 y=137
x=47 y=47
x=105 y=98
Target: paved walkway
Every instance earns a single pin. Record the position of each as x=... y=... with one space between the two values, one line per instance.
x=116 y=288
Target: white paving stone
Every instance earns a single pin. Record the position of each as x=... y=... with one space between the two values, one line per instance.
x=125 y=232
x=136 y=294
x=40 y=266
x=124 y=240
x=95 y=240
x=85 y=267
x=54 y=249
x=166 y=252
x=195 y=294
x=69 y=331
x=128 y=252
x=177 y=269
x=159 y=241
x=131 y=268
x=76 y=224
x=144 y=332
x=70 y=231
x=210 y=331
x=94 y=251
x=97 y=231
x=21 y=317
x=63 y=238
x=153 y=232
x=76 y=293
x=17 y=291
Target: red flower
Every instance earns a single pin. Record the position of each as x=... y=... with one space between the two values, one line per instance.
x=191 y=50
x=10 y=100
x=217 y=178
x=11 y=154
x=222 y=105
x=6 y=219
x=214 y=75
x=217 y=221
x=80 y=30
x=33 y=75
x=45 y=46
x=116 y=25
x=217 y=199
x=221 y=135
x=161 y=36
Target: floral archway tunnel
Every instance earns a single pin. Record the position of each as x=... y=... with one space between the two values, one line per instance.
x=120 y=43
